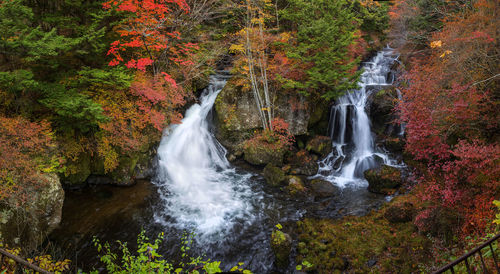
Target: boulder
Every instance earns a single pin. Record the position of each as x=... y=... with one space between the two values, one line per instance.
x=322 y=188
x=237 y=116
x=281 y=244
x=295 y=186
x=394 y=145
x=321 y=145
x=380 y=110
x=383 y=180
x=400 y=213
x=27 y=225
x=274 y=176
x=303 y=163
x=263 y=154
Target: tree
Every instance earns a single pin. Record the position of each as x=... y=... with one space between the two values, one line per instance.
x=145 y=36
x=325 y=30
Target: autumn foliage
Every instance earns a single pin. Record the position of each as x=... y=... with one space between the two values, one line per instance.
x=450 y=107
x=27 y=150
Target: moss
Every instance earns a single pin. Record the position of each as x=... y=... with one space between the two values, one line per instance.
x=295 y=186
x=273 y=175
x=351 y=243
x=262 y=153
x=383 y=180
x=77 y=171
x=321 y=145
x=281 y=244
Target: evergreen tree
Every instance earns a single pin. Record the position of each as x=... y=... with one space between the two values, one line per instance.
x=324 y=29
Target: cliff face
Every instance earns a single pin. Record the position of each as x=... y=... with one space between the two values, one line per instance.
x=237 y=116
x=27 y=225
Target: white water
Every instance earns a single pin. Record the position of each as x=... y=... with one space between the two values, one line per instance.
x=354 y=149
x=200 y=190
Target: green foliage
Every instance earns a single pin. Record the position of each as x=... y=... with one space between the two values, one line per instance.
x=73 y=110
x=497 y=216
x=374 y=17
x=325 y=30
x=147 y=259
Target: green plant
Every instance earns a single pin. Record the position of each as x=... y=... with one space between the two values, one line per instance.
x=304 y=265
x=147 y=259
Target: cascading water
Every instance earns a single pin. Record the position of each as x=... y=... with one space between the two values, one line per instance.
x=201 y=190
x=354 y=149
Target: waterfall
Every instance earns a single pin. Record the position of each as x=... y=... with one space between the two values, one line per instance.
x=199 y=188
x=349 y=127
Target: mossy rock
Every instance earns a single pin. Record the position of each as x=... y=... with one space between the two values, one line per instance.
x=78 y=171
x=263 y=154
x=295 y=186
x=321 y=145
x=400 y=212
x=383 y=180
x=29 y=224
x=394 y=144
x=303 y=163
x=281 y=244
x=274 y=176
x=322 y=188
x=361 y=244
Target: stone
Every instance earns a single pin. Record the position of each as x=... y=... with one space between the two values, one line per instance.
x=304 y=163
x=79 y=171
x=274 y=176
x=237 y=117
x=321 y=145
x=383 y=180
x=261 y=154
x=371 y=263
x=394 y=144
x=322 y=188
x=29 y=224
x=380 y=110
x=281 y=244
x=295 y=186
x=400 y=213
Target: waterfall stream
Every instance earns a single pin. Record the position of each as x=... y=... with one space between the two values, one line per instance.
x=354 y=150
x=200 y=188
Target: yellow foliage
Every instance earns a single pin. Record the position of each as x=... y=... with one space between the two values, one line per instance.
x=445 y=53
x=236 y=48
x=436 y=44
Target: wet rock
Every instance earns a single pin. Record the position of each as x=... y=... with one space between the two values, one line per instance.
x=380 y=110
x=303 y=163
x=321 y=145
x=371 y=263
x=322 y=188
x=28 y=225
x=263 y=154
x=383 y=180
x=395 y=145
x=295 y=186
x=281 y=244
x=274 y=176
x=400 y=213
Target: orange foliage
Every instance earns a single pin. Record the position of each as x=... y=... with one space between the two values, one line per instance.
x=26 y=152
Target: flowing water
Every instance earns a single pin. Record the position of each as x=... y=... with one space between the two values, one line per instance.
x=200 y=189
x=354 y=149
x=229 y=207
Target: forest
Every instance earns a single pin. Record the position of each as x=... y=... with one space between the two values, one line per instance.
x=249 y=136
